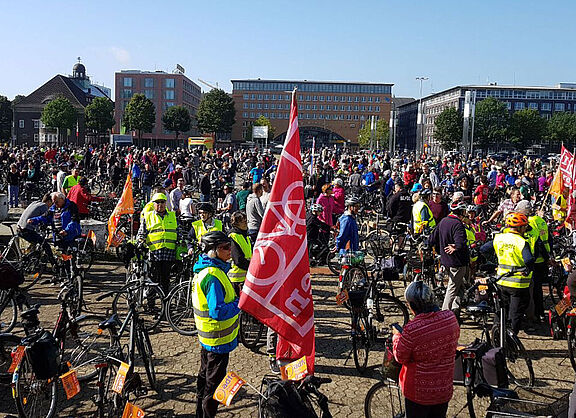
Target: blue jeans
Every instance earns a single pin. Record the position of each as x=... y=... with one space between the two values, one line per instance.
x=13 y=195
x=147 y=190
x=204 y=198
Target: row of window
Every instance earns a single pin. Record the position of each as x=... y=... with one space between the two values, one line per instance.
x=312 y=87
x=527 y=94
x=309 y=98
x=128 y=93
x=281 y=106
x=321 y=116
x=165 y=105
x=169 y=83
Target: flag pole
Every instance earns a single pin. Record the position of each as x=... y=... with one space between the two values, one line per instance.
x=548 y=191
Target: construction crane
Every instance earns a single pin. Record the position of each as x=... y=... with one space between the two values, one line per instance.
x=208 y=84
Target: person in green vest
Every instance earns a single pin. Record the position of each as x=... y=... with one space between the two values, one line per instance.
x=70 y=181
x=216 y=315
x=205 y=224
x=516 y=259
x=159 y=230
x=241 y=250
x=422 y=216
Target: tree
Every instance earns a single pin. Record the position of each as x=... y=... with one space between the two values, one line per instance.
x=5 y=118
x=139 y=115
x=100 y=115
x=59 y=113
x=177 y=119
x=216 y=112
x=562 y=128
x=527 y=127
x=262 y=121
x=448 y=128
x=381 y=137
x=491 y=124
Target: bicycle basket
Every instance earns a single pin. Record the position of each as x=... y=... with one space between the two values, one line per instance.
x=356 y=299
x=10 y=278
x=380 y=245
x=353 y=258
x=282 y=400
x=43 y=355
x=390 y=367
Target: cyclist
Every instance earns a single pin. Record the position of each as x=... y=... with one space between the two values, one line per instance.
x=514 y=257
x=399 y=205
x=317 y=230
x=27 y=231
x=80 y=194
x=205 y=224
x=422 y=216
x=348 y=236
x=216 y=316
x=241 y=250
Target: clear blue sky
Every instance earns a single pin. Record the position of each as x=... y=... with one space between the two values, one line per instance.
x=452 y=42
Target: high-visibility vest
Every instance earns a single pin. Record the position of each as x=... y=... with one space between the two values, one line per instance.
x=560 y=214
x=470 y=239
x=212 y=332
x=162 y=231
x=200 y=229
x=236 y=274
x=508 y=247
x=419 y=224
x=539 y=230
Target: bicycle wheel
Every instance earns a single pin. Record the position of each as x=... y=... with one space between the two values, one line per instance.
x=32 y=268
x=250 y=331
x=360 y=342
x=571 y=338
x=179 y=309
x=353 y=277
x=85 y=254
x=8 y=310
x=384 y=400
x=518 y=362
x=147 y=355
x=84 y=346
x=34 y=397
x=389 y=310
x=76 y=295
x=333 y=262
x=150 y=303
x=108 y=402
x=556 y=283
x=7 y=343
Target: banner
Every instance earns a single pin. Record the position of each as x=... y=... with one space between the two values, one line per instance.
x=567 y=167
x=125 y=206
x=557 y=184
x=277 y=290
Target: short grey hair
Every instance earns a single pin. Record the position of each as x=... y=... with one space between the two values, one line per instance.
x=57 y=195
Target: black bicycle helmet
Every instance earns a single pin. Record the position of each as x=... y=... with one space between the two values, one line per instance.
x=420 y=297
x=213 y=239
x=425 y=192
x=351 y=201
x=205 y=207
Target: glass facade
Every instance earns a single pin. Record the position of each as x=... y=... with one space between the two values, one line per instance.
x=285 y=86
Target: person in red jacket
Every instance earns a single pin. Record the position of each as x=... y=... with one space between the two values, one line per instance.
x=426 y=348
x=81 y=195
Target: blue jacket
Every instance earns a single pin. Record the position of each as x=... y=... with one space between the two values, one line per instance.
x=389 y=188
x=70 y=221
x=217 y=308
x=348 y=233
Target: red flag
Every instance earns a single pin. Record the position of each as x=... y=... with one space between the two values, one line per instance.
x=567 y=167
x=571 y=214
x=277 y=290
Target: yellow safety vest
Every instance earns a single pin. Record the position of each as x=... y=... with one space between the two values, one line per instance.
x=471 y=239
x=162 y=232
x=212 y=332
x=560 y=214
x=236 y=274
x=508 y=247
x=419 y=224
x=200 y=229
x=539 y=230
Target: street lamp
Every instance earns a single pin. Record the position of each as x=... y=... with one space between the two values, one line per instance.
x=420 y=120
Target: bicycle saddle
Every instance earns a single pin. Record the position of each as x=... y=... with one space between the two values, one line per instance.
x=111 y=322
x=482 y=307
x=31 y=313
x=485 y=390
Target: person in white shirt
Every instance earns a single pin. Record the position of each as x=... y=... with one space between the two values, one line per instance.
x=187 y=209
x=176 y=196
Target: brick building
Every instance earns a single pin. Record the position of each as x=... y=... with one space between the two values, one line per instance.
x=332 y=112
x=164 y=90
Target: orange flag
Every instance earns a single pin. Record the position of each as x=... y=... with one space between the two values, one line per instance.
x=557 y=184
x=125 y=206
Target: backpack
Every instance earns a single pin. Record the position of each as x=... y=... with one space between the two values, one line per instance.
x=43 y=355
x=10 y=278
x=283 y=400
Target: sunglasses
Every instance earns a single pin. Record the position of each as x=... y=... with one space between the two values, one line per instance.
x=160 y=202
x=224 y=247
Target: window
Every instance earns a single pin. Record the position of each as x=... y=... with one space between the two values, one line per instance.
x=260 y=97
x=272 y=115
x=377 y=108
x=266 y=97
x=127 y=81
x=273 y=97
x=245 y=114
x=508 y=105
x=169 y=83
x=36 y=123
x=315 y=98
x=36 y=136
x=149 y=94
x=259 y=106
x=272 y=106
x=328 y=107
x=168 y=105
x=148 y=82
x=356 y=99
x=300 y=97
x=307 y=98
x=169 y=94
x=21 y=123
x=362 y=108
x=265 y=105
x=245 y=96
x=519 y=105
x=533 y=106
x=252 y=97
x=252 y=105
x=313 y=107
x=252 y=115
x=377 y=99
x=546 y=106
x=328 y=98
x=245 y=105
x=321 y=98
x=363 y=99
x=336 y=98
x=349 y=99
x=126 y=93
x=559 y=107
x=370 y=99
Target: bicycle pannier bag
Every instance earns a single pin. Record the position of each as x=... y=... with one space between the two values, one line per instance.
x=10 y=278
x=494 y=368
x=557 y=325
x=43 y=355
x=283 y=401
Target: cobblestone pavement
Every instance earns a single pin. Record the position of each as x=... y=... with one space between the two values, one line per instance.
x=177 y=359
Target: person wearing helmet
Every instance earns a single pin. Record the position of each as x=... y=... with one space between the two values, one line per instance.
x=348 y=238
x=516 y=259
x=205 y=224
x=216 y=316
x=426 y=349
x=241 y=250
x=317 y=231
x=449 y=240
x=159 y=229
x=422 y=216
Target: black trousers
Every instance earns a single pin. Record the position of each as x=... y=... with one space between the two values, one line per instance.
x=517 y=301
x=161 y=273
x=415 y=410
x=212 y=371
x=539 y=275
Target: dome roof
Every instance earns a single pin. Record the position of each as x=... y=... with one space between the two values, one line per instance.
x=79 y=68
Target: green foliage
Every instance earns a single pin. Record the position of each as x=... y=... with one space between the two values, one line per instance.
x=5 y=118
x=381 y=136
x=491 y=125
x=262 y=121
x=448 y=128
x=176 y=119
x=100 y=115
x=140 y=115
x=60 y=113
x=216 y=112
x=562 y=127
x=526 y=128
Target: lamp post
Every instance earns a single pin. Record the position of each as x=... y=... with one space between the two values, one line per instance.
x=420 y=120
